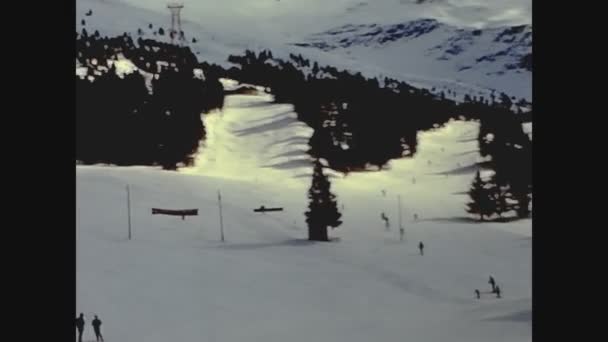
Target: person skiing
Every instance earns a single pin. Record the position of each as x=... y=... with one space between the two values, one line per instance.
x=401 y=233
x=493 y=283
x=497 y=291
x=477 y=293
x=385 y=219
x=80 y=326
x=421 y=247
x=96 y=327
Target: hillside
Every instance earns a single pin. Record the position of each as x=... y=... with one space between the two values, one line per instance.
x=495 y=58
x=234 y=26
x=176 y=281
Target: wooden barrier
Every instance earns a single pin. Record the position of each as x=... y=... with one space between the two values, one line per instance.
x=262 y=209
x=183 y=213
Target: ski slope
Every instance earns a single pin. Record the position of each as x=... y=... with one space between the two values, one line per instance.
x=176 y=281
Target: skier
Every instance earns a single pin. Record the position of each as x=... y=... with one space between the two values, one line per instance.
x=385 y=219
x=493 y=283
x=497 y=291
x=80 y=326
x=401 y=233
x=96 y=327
x=421 y=247
x=477 y=293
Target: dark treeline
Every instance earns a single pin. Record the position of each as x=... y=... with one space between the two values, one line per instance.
x=360 y=122
x=357 y=121
x=502 y=139
x=125 y=120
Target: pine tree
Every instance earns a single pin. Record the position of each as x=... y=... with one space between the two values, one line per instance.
x=323 y=208
x=315 y=68
x=161 y=31
x=522 y=194
x=501 y=195
x=482 y=202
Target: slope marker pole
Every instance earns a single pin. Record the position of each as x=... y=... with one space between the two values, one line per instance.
x=219 y=200
x=129 y=209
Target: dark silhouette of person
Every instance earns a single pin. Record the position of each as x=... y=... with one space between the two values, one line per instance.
x=385 y=219
x=97 y=328
x=80 y=326
x=477 y=293
x=493 y=283
x=497 y=292
x=421 y=247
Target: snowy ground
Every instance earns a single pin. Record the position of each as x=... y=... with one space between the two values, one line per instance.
x=175 y=281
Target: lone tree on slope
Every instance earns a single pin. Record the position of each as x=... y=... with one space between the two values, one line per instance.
x=323 y=209
x=482 y=202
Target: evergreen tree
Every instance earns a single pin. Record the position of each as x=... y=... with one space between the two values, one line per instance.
x=323 y=208
x=161 y=31
x=482 y=202
x=523 y=195
x=315 y=68
x=501 y=195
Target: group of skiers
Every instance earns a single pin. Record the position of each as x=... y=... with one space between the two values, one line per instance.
x=96 y=323
x=495 y=288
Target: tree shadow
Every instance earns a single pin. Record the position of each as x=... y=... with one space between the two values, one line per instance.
x=465 y=219
x=270 y=126
x=258 y=245
x=290 y=141
x=522 y=316
x=294 y=153
x=242 y=90
x=292 y=164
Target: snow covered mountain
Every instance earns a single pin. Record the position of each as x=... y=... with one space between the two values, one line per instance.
x=467 y=46
x=497 y=58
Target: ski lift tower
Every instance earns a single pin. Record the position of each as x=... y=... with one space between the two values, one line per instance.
x=176 y=22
